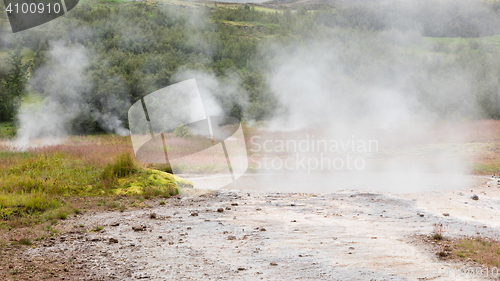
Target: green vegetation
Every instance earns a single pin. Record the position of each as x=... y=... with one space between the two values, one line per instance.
x=136 y=48
x=150 y=184
x=97 y=228
x=182 y=131
x=25 y=241
x=37 y=186
x=478 y=250
x=7 y=130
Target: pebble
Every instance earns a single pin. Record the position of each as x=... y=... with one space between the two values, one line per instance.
x=113 y=240
x=139 y=228
x=446 y=214
x=220 y=210
x=475 y=197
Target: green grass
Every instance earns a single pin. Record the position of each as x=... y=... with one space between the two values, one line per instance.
x=116 y=1
x=479 y=250
x=39 y=185
x=97 y=228
x=7 y=130
x=269 y=26
x=25 y=241
x=447 y=43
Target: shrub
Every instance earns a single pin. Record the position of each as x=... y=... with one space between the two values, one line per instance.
x=437 y=236
x=183 y=132
x=63 y=215
x=121 y=167
x=24 y=241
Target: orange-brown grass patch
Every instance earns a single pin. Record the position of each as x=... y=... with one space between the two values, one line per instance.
x=480 y=250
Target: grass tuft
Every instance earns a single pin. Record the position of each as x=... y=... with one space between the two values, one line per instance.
x=25 y=241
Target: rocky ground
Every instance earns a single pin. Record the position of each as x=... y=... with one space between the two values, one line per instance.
x=255 y=235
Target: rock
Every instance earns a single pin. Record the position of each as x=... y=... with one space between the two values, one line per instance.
x=475 y=197
x=262 y=229
x=194 y=214
x=228 y=208
x=351 y=248
x=139 y=228
x=160 y=237
x=115 y=224
x=113 y=240
x=234 y=204
x=231 y=237
x=152 y=215
x=220 y=210
x=241 y=268
x=446 y=214
x=273 y=264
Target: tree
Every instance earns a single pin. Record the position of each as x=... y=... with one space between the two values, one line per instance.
x=15 y=83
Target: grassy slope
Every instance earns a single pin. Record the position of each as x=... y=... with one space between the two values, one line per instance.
x=51 y=183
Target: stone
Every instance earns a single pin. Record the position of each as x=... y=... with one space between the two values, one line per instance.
x=139 y=228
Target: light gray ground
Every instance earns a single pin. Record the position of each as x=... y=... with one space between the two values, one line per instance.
x=347 y=235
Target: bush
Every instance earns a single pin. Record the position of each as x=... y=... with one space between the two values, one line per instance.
x=183 y=132
x=24 y=241
x=123 y=166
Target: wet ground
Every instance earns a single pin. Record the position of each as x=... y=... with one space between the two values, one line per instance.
x=259 y=235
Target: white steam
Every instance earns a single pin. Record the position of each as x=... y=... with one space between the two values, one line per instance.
x=46 y=115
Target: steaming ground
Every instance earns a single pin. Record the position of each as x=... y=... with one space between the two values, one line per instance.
x=346 y=235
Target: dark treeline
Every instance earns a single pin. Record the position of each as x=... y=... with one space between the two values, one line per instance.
x=135 y=49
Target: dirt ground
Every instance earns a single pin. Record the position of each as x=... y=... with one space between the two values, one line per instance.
x=256 y=235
